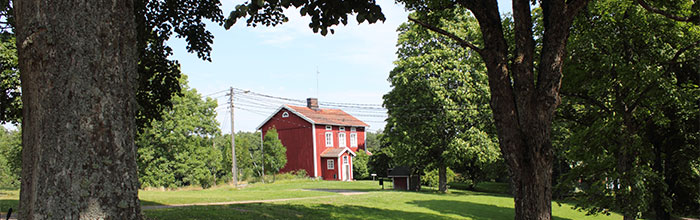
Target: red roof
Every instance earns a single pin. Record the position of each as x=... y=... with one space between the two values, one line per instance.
x=328 y=116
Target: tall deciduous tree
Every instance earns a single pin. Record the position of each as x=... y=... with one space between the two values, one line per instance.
x=275 y=154
x=78 y=68
x=438 y=106
x=178 y=150
x=631 y=96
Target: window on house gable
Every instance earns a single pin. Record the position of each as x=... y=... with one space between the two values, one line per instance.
x=353 y=139
x=330 y=164
x=341 y=128
x=285 y=114
x=328 y=127
x=329 y=139
x=341 y=139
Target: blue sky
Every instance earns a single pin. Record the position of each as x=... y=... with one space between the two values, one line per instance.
x=353 y=64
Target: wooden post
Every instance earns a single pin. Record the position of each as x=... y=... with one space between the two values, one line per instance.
x=234 y=168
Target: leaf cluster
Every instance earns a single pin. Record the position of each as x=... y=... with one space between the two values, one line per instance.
x=324 y=14
x=157 y=21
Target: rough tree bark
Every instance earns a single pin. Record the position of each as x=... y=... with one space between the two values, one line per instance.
x=523 y=102
x=78 y=69
x=442 y=178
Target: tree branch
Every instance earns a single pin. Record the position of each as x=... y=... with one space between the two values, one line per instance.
x=574 y=6
x=692 y=19
x=588 y=99
x=452 y=36
x=682 y=50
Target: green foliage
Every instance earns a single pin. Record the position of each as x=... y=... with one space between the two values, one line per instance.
x=158 y=81
x=248 y=158
x=372 y=142
x=438 y=106
x=10 y=92
x=382 y=159
x=292 y=175
x=157 y=20
x=10 y=158
x=323 y=14
x=431 y=177
x=359 y=166
x=178 y=151
x=275 y=152
x=630 y=112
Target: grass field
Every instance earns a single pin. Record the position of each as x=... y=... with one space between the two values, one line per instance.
x=374 y=204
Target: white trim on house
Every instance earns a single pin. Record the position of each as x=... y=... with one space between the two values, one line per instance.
x=351 y=174
x=313 y=134
x=329 y=142
x=329 y=127
x=408 y=183
x=353 y=129
x=353 y=139
x=342 y=140
x=285 y=114
x=330 y=164
x=346 y=160
x=338 y=170
x=288 y=109
x=341 y=128
x=341 y=153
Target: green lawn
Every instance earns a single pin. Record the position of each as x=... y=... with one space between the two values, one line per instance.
x=8 y=199
x=375 y=204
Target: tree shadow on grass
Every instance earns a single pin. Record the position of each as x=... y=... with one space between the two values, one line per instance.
x=469 y=209
x=5 y=205
x=285 y=211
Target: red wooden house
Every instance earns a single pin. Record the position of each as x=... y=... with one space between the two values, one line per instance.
x=320 y=141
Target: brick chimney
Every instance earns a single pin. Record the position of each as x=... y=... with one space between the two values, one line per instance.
x=312 y=103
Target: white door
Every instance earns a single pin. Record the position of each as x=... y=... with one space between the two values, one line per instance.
x=346 y=167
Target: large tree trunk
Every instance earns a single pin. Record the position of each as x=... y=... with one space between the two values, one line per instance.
x=442 y=178
x=523 y=102
x=78 y=68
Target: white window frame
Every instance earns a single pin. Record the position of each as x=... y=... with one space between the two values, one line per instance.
x=353 y=129
x=329 y=139
x=341 y=128
x=329 y=127
x=345 y=160
x=330 y=164
x=285 y=114
x=353 y=139
x=342 y=140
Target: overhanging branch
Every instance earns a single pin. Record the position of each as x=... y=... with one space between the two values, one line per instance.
x=452 y=36
x=693 y=19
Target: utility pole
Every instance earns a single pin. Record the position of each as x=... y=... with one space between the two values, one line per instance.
x=262 y=155
x=234 y=168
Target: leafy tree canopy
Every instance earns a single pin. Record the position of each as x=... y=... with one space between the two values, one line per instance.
x=158 y=82
x=324 y=14
x=630 y=104
x=438 y=106
x=178 y=150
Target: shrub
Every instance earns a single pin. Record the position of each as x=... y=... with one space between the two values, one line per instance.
x=359 y=166
x=432 y=179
